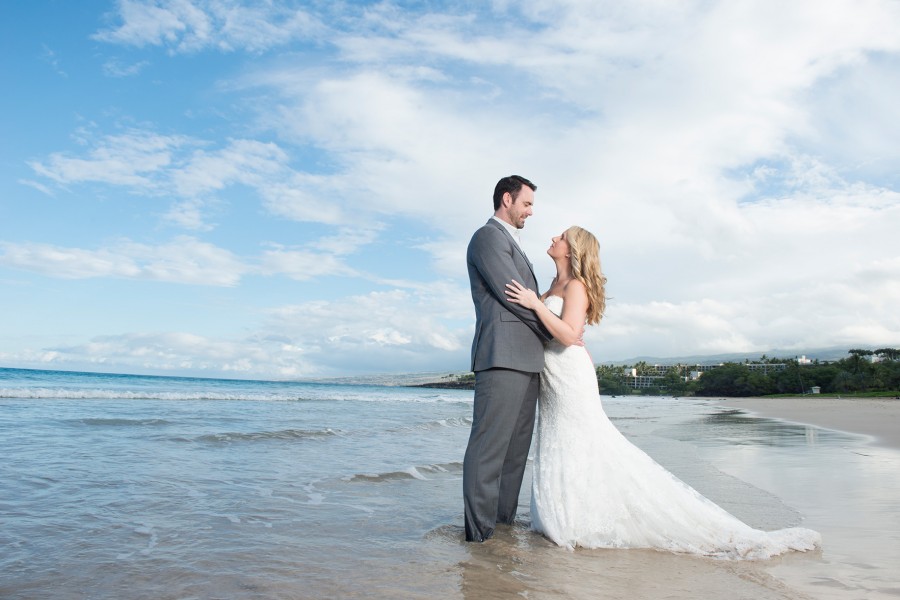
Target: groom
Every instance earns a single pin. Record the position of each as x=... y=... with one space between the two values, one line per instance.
x=507 y=358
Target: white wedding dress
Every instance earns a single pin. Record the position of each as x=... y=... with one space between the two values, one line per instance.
x=593 y=488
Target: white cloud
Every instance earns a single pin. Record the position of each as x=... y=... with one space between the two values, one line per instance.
x=188 y=260
x=115 y=68
x=701 y=327
x=183 y=260
x=855 y=120
x=247 y=162
x=131 y=158
x=398 y=330
x=305 y=198
x=348 y=240
x=73 y=263
x=805 y=274
x=303 y=265
x=188 y=214
x=173 y=352
x=402 y=150
x=148 y=163
x=37 y=185
x=224 y=25
x=50 y=57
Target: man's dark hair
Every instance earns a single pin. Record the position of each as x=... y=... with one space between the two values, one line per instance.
x=512 y=184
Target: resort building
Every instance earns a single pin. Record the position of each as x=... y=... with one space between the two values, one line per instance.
x=642 y=381
x=652 y=374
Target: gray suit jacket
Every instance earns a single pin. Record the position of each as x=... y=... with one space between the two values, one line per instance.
x=507 y=335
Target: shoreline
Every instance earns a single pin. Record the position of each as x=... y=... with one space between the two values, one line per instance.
x=877 y=418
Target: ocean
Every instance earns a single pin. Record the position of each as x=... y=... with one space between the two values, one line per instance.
x=124 y=486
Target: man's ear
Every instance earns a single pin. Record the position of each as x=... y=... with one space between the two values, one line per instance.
x=507 y=199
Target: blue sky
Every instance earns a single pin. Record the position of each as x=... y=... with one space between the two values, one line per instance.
x=286 y=189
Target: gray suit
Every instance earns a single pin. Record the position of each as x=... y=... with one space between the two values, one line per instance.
x=507 y=357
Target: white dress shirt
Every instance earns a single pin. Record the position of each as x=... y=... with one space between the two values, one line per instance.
x=513 y=231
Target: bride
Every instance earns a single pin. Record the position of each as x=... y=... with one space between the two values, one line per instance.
x=591 y=486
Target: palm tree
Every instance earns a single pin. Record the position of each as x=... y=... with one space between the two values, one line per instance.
x=888 y=353
x=642 y=368
x=857 y=356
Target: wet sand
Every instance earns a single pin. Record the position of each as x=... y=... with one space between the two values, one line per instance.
x=842 y=477
x=875 y=417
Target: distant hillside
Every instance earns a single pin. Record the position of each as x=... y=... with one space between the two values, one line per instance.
x=448 y=379
x=821 y=354
x=455 y=384
x=391 y=379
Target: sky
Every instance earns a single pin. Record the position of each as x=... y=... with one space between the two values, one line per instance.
x=283 y=189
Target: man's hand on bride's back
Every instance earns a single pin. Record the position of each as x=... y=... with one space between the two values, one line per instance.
x=580 y=341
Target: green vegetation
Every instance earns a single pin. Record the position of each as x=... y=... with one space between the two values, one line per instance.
x=465 y=378
x=857 y=375
x=612 y=381
x=452 y=381
x=864 y=372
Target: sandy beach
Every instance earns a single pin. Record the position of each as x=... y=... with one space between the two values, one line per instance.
x=875 y=417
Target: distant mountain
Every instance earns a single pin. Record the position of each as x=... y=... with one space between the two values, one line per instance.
x=822 y=354
x=416 y=379
x=390 y=379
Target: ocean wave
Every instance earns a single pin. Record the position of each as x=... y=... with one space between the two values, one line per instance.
x=252 y=436
x=437 y=424
x=330 y=394
x=415 y=472
x=99 y=394
x=111 y=422
x=449 y=422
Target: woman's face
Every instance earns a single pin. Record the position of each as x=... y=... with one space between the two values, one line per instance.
x=560 y=247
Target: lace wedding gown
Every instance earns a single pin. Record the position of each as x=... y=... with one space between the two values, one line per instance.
x=593 y=488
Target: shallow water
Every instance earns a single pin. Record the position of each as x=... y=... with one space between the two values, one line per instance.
x=844 y=487
x=142 y=487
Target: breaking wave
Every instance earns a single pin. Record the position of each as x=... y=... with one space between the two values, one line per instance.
x=415 y=472
x=98 y=394
x=112 y=422
x=252 y=436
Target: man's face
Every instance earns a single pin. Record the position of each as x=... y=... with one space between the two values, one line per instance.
x=520 y=209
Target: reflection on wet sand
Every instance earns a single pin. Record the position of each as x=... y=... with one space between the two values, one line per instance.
x=517 y=562
x=734 y=426
x=843 y=486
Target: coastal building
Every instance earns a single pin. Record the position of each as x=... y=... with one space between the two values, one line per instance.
x=639 y=382
x=651 y=375
x=766 y=368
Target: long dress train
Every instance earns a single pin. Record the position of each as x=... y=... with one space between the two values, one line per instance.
x=593 y=488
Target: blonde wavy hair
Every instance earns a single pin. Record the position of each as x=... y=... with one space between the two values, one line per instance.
x=585 y=257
